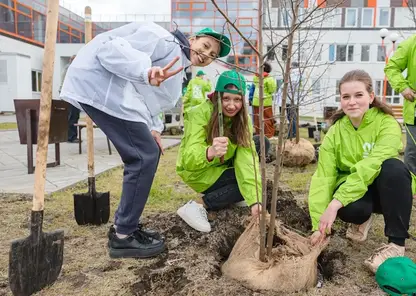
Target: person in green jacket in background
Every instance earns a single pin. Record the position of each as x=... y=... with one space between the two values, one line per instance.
x=404 y=58
x=196 y=91
x=359 y=173
x=270 y=87
x=201 y=149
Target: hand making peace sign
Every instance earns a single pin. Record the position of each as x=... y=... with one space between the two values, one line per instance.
x=157 y=75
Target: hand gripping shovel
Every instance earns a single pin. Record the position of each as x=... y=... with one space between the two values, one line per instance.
x=36 y=261
x=91 y=207
x=220 y=121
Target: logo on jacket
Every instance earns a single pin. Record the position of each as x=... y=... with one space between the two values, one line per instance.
x=367 y=147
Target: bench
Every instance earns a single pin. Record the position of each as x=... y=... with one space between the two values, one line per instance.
x=80 y=126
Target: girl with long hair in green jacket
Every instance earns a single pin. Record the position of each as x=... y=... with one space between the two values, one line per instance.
x=223 y=167
x=359 y=173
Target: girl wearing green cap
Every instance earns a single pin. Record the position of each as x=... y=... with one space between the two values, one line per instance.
x=359 y=172
x=123 y=79
x=196 y=91
x=219 y=166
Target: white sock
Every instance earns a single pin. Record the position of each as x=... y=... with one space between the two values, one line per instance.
x=119 y=235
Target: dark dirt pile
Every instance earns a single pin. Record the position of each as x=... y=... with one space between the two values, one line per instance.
x=191 y=265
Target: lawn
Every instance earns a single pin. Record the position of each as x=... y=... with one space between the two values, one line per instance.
x=8 y=126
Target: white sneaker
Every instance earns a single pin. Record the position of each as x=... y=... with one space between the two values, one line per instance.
x=195 y=215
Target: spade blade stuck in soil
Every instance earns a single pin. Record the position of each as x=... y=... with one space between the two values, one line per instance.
x=92 y=207
x=36 y=261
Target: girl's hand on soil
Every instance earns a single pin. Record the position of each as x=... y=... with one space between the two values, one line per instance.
x=218 y=148
x=316 y=237
x=156 y=135
x=256 y=210
x=157 y=75
x=329 y=216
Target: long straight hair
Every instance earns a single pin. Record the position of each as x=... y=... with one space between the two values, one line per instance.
x=238 y=132
x=364 y=77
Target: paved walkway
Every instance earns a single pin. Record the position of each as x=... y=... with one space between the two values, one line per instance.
x=13 y=163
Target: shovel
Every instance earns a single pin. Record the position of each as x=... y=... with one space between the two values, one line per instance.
x=36 y=261
x=91 y=207
x=220 y=121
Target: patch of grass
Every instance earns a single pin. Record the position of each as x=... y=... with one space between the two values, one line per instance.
x=298 y=179
x=8 y=125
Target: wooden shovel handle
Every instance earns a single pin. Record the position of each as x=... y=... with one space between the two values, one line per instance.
x=45 y=105
x=90 y=128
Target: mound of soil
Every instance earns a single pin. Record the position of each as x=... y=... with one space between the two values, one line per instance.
x=191 y=264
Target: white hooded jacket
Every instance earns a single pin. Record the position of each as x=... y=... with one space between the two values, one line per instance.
x=110 y=73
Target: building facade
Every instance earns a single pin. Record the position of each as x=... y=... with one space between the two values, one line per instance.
x=338 y=38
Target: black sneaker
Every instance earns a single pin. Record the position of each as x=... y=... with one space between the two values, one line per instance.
x=150 y=232
x=137 y=245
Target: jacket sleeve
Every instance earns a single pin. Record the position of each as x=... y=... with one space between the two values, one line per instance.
x=194 y=157
x=251 y=92
x=157 y=123
x=323 y=180
x=363 y=173
x=398 y=63
x=246 y=165
x=187 y=97
x=270 y=86
x=207 y=86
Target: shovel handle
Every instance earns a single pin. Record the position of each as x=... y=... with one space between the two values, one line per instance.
x=45 y=105
x=90 y=124
x=220 y=121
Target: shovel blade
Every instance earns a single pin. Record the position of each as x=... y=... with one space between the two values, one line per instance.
x=92 y=208
x=35 y=262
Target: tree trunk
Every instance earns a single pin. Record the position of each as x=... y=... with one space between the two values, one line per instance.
x=279 y=147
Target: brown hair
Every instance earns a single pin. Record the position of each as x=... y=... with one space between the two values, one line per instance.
x=364 y=77
x=238 y=133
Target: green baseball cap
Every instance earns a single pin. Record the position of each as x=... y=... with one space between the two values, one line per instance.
x=397 y=276
x=234 y=78
x=225 y=43
x=200 y=73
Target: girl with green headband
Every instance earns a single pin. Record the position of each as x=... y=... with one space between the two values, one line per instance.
x=217 y=156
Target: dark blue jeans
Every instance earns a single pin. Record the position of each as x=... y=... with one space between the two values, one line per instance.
x=225 y=190
x=73 y=118
x=140 y=155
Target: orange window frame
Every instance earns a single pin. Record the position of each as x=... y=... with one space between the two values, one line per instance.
x=199 y=9
x=244 y=18
x=178 y=6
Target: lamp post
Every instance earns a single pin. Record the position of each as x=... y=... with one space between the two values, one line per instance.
x=393 y=38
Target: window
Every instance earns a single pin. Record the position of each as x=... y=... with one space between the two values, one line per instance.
x=244 y=21
x=351 y=17
x=39 y=26
x=367 y=17
x=316 y=87
x=337 y=94
x=381 y=54
x=391 y=96
x=284 y=52
x=24 y=25
x=365 y=53
x=383 y=17
x=341 y=53
x=286 y=17
x=198 y=6
x=36 y=81
x=183 y=6
x=270 y=55
x=7 y=19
